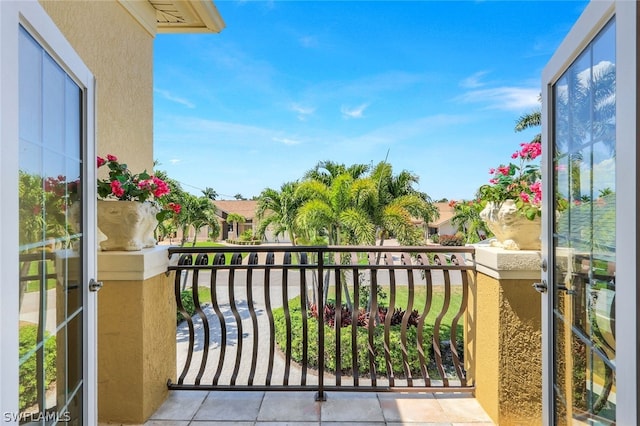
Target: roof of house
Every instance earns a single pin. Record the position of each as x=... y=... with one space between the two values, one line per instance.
x=245 y=208
x=176 y=16
x=446 y=213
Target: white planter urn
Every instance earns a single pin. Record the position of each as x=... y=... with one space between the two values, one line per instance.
x=127 y=225
x=512 y=230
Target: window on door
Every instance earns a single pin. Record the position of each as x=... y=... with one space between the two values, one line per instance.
x=51 y=239
x=584 y=238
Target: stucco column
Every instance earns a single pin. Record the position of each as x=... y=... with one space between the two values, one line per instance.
x=136 y=334
x=504 y=335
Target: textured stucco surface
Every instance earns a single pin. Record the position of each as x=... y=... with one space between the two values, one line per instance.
x=483 y=328
x=136 y=348
x=119 y=53
x=505 y=330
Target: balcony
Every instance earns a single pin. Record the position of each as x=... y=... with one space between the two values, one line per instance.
x=249 y=352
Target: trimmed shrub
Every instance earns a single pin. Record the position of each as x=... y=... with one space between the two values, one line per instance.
x=28 y=383
x=451 y=240
x=187 y=302
x=362 y=341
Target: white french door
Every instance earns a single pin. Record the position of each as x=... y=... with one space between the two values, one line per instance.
x=48 y=168
x=589 y=251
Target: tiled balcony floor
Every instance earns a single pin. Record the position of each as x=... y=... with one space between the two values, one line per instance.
x=202 y=408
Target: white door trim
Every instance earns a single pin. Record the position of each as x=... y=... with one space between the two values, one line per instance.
x=594 y=18
x=35 y=20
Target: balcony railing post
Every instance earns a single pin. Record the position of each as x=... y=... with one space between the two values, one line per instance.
x=320 y=396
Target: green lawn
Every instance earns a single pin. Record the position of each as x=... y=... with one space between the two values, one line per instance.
x=35 y=284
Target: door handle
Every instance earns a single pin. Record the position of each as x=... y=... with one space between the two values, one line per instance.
x=566 y=289
x=540 y=287
x=94 y=285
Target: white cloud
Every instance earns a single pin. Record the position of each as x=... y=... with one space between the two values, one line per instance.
x=287 y=141
x=474 y=81
x=504 y=98
x=303 y=111
x=356 y=112
x=308 y=41
x=170 y=97
x=175 y=160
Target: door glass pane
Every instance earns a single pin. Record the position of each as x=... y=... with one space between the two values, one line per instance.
x=584 y=252
x=51 y=238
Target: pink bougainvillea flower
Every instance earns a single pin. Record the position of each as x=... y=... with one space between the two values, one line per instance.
x=116 y=188
x=492 y=171
x=161 y=187
x=452 y=203
x=112 y=157
x=146 y=184
x=531 y=151
x=101 y=161
x=504 y=170
x=524 y=197
x=175 y=207
x=536 y=189
x=515 y=155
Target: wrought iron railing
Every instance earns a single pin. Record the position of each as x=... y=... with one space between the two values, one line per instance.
x=322 y=318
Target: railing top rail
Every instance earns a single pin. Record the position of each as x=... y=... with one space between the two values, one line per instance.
x=324 y=249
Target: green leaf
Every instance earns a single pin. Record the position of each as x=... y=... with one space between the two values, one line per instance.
x=531 y=213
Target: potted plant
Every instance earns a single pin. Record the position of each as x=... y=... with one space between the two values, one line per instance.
x=512 y=200
x=130 y=206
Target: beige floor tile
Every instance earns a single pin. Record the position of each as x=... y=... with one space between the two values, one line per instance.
x=417 y=424
x=289 y=407
x=180 y=405
x=461 y=408
x=351 y=407
x=230 y=406
x=413 y=408
x=474 y=424
x=354 y=424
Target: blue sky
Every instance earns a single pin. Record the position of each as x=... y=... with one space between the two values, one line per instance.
x=436 y=85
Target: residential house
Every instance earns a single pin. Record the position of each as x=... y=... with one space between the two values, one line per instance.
x=244 y=208
x=442 y=225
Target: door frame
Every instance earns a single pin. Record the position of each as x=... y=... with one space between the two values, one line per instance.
x=596 y=15
x=31 y=16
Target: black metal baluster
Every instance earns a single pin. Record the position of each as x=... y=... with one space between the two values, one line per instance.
x=269 y=262
x=423 y=260
x=388 y=260
x=218 y=260
x=185 y=260
x=236 y=259
x=406 y=261
x=253 y=260
x=201 y=259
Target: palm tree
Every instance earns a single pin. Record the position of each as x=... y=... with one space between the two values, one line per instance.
x=196 y=213
x=327 y=171
x=398 y=204
x=203 y=215
x=532 y=119
x=278 y=209
x=210 y=193
x=336 y=211
x=235 y=219
x=467 y=220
